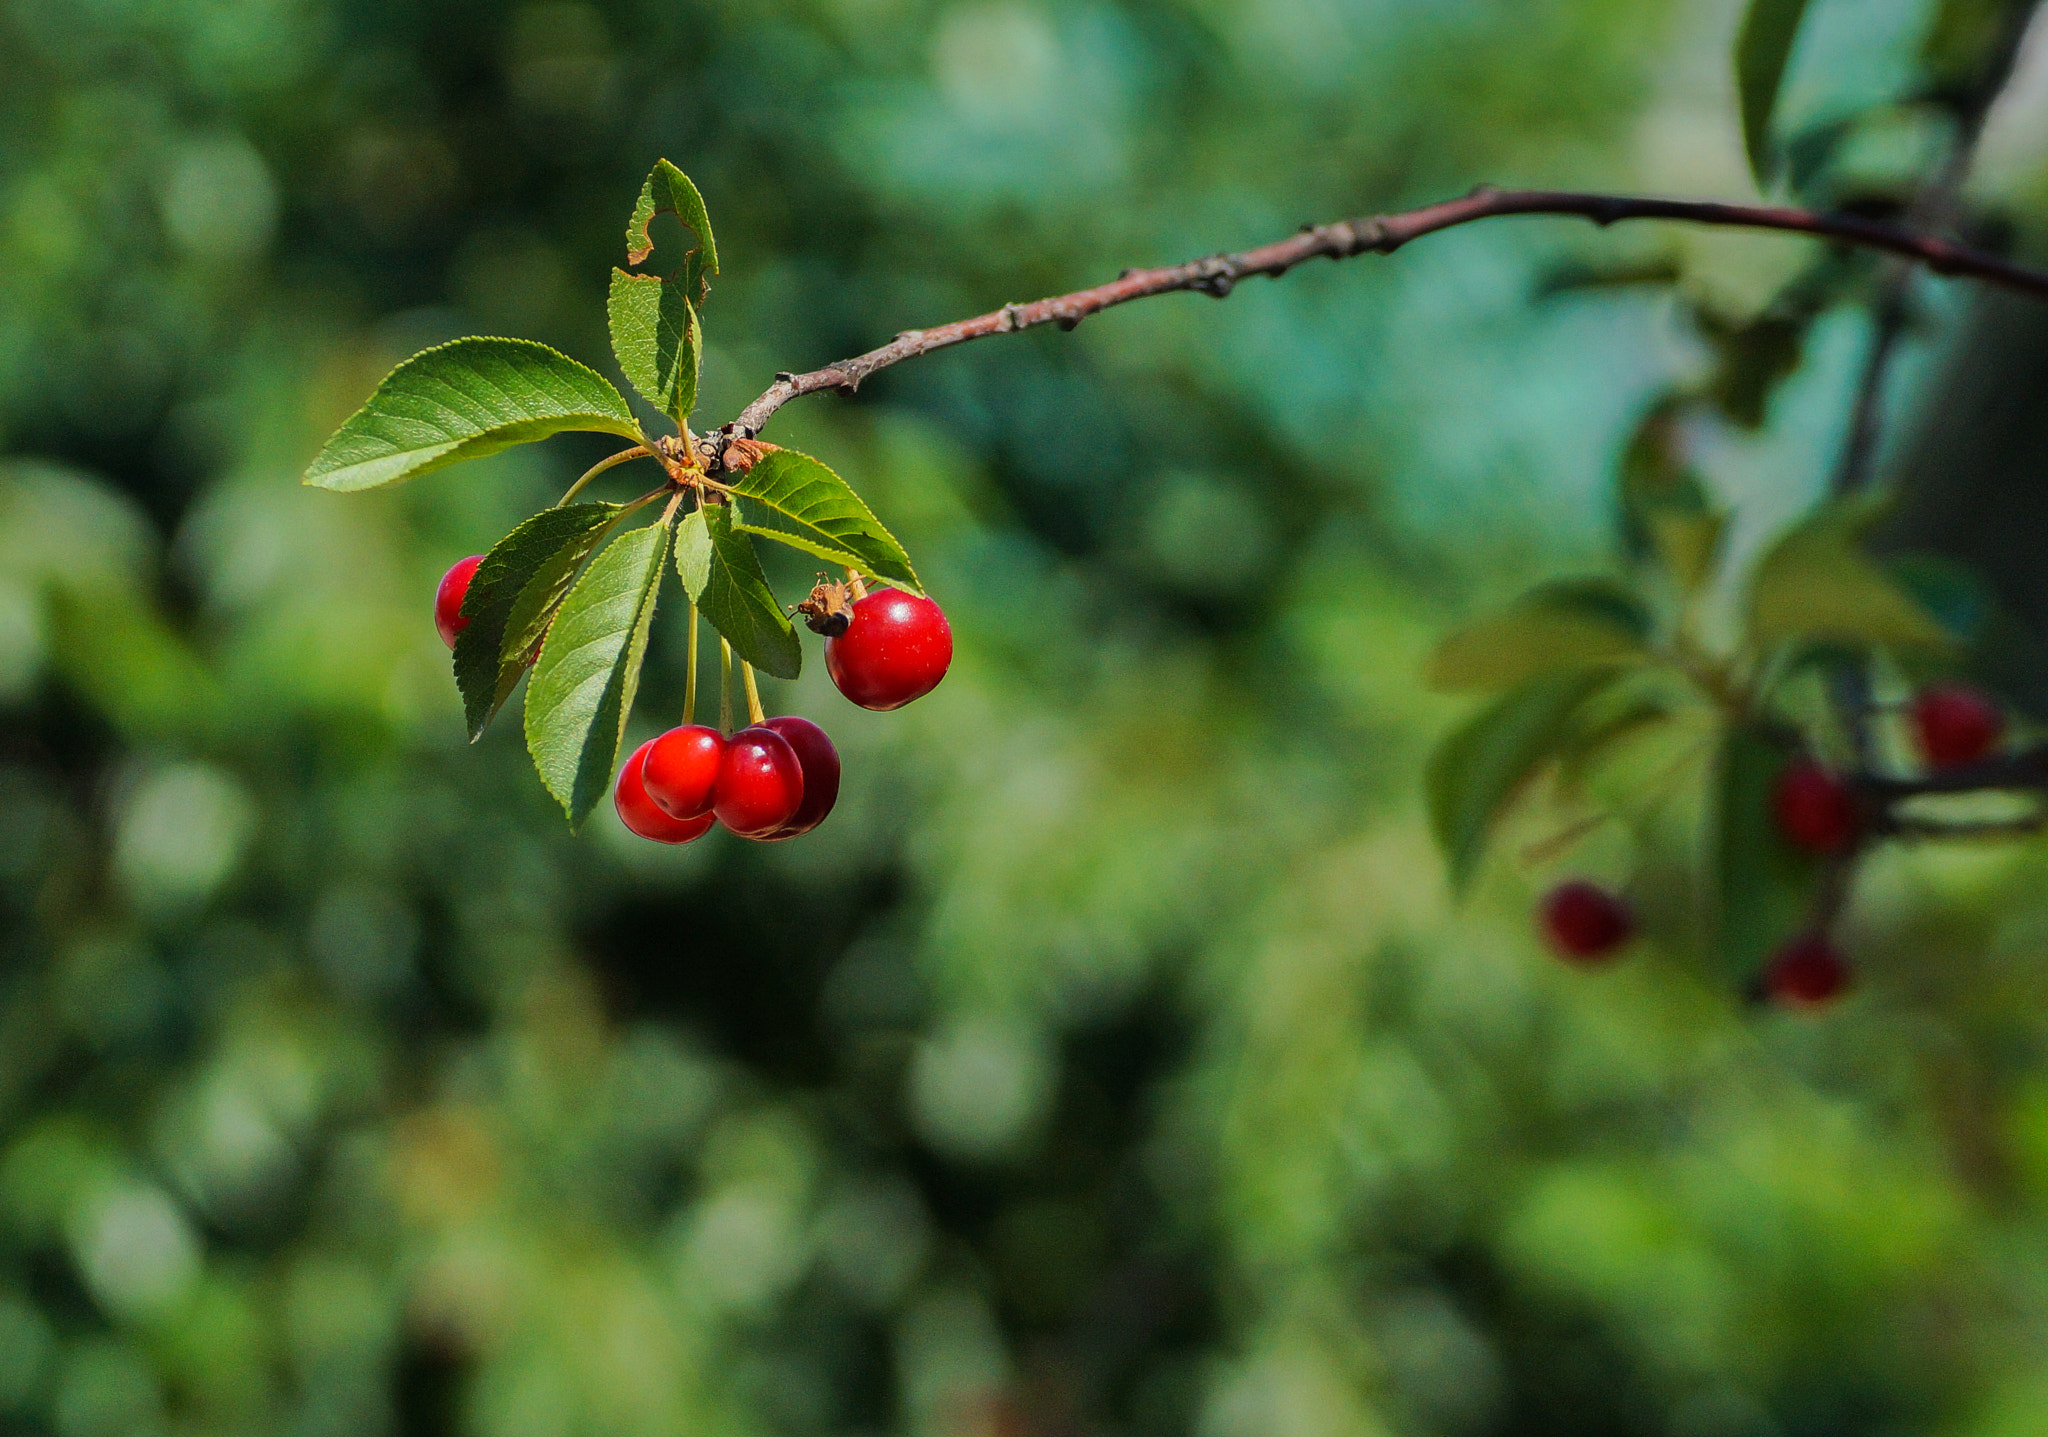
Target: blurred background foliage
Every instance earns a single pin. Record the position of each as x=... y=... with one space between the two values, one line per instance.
x=1114 y=1060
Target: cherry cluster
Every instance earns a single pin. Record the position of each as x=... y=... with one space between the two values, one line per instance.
x=777 y=778
x=1818 y=811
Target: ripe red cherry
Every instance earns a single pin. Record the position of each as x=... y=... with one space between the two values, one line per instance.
x=896 y=648
x=1806 y=972
x=448 y=599
x=820 y=763
x=682 y=766
x=640 y=813
x=1814 y=807
x=760 y=782
x=1956 y=724
x=1586 y=923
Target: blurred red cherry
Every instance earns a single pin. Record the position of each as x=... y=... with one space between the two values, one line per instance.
x=448 y=599
x=1806 y=972
x=1956 y=724
x=1585 y=923
x=1815 y=809
x=641 y=814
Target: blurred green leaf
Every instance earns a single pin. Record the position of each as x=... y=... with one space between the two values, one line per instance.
x=464 y=400
x=1763 y=47
x=1567 y=624
x=1953 y=594
x=656 y=337
x=799 y=502
x=669 y=191
x=1688 y=544
x=511 y=598
x=1817 y=583
x=723 y=574
x=1763 y=885
x=1479 y=767
x=589 y=669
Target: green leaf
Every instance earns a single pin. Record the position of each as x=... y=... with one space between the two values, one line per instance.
x=511 y=598
x=723 y=574
x=669 y=191
x=1763 y=48
x=1563 y=625
x=1688 y=544
x=657 y=339
x=589 y=668
x=462 y=401
x=1763 y=883
x=1817 y=584
x=1478 y=768
x=799 y=502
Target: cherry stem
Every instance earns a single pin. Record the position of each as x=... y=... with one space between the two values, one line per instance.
x=690 y=683
x=724 y=684
x=755 y=714
x=638 y=451
x=853 y=583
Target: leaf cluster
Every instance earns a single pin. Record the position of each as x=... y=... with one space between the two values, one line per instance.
x=563 y=594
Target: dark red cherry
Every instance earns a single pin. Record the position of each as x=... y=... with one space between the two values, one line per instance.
x=682 y=766
x=1806 y=972
x=820 y=763
x=1815 y=809
x=642 y=815
x=760 y=782
x=448 y=599
x=1585 y=923
x=895 y=649
x=1956 y=724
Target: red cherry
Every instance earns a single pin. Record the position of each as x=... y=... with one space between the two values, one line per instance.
x=1815 y=808
x=820 y=763
x=1586 y=923
x=760 y=782
x=682 y=765
x=448 y=616
x=639 y=812
x=896 y=648
x=1806 y=972
x=1957 y=725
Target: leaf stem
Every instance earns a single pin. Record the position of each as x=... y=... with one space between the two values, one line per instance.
x=724 y=684
x=690 y=683
x=755 y=713
x=638 y=451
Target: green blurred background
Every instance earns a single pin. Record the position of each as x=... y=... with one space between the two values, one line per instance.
x=1114 y=1061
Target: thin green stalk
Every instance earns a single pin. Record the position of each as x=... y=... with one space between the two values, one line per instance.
x=724 y=684
x=638 y=451
x=690 y=683
x=755 y=714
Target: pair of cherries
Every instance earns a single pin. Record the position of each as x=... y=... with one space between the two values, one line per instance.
x=1588 y=925
x=773 y=780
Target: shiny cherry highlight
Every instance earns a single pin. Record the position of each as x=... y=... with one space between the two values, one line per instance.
x=448 y=616
x=896 y=648
x=682 y=768
x=820 y=763
x=641 y=814
x=760 y=782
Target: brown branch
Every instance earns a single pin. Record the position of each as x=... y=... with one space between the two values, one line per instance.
x=1219 y=274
